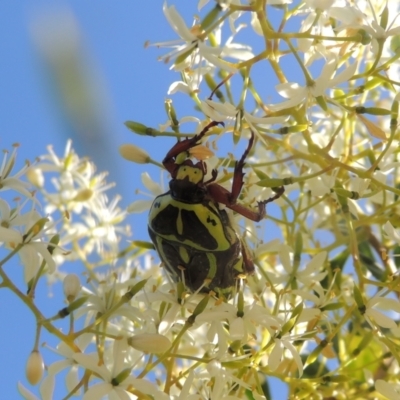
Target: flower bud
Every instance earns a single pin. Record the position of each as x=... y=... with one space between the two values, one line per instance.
x=322 y=103
x=372 y=110
x=365 y=37
x=140 y=128
x=34 y=367
x=150 y=343
x=71 y=286
x=384 y=17
x=394 y=113
x=359 y=299
x=121 y=376
x=53 y=243
x=169 y=108
x=36 y=228
x=133 y=290
x=64 y=312
x=201 y=306
x=134 y=154
x=270 y=182
x=84 y=195
x=35 y=176
x=211 y=17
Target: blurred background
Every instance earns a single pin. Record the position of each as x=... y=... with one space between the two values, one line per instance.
x=78 y=70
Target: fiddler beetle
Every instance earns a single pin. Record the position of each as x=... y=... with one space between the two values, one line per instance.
x=193 y=235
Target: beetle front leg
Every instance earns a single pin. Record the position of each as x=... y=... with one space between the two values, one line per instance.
x=238 y=173
x=185 y=145
x=262 y=204
x=214 y=174
x=260 y=214
x=220 y=195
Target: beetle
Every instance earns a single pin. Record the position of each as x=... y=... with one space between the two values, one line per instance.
x=193 y=235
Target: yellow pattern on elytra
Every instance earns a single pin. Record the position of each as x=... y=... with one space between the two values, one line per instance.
x=179 y=223
x=239 y=265
x=212 y=262
x=224 y=236
x=160 y=249
x=184 y=254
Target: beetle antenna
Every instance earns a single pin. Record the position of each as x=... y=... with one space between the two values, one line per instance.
x=220 y=84
x=207 y=128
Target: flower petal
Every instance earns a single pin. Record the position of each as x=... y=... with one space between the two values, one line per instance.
x=177 y=23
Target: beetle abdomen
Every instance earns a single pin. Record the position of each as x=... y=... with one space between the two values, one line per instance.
x=201 y=226
x=219 y=267
x=197 y=239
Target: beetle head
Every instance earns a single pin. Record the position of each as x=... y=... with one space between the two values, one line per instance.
x=194 y=173
x=187 y=182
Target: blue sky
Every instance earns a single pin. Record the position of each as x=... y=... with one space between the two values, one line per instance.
x=124 y=82
x=131 y=84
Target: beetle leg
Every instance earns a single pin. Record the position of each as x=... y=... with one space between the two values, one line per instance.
x=214 y=174
x=238 y=173
x=221 y=195
x=185 y=145
x=262 y=204
x=248 y=265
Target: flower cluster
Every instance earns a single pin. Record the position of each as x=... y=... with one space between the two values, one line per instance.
x=314 y=85
x=326 y=130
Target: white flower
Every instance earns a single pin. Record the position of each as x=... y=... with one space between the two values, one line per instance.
x=85 y=218
x=317 y=22
x=100 y=229
x=9 y=181
x=391 y=232
x=329 y=78
x=278 y=353
x=176 y=310
x=307 y=276
x=116 y=380
x=227 y=111
x=154 y=188
x=66 y=363
x=45 y=393
x=14 y=218
x=373 y=316
x=322 y=185
x=34 y=247
x=190 y=44
x=355 y=19
x=224 y=380
x=168 y=123
x=241 y=327
x=106 y=293
x=318 y=296
x=76 y=186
